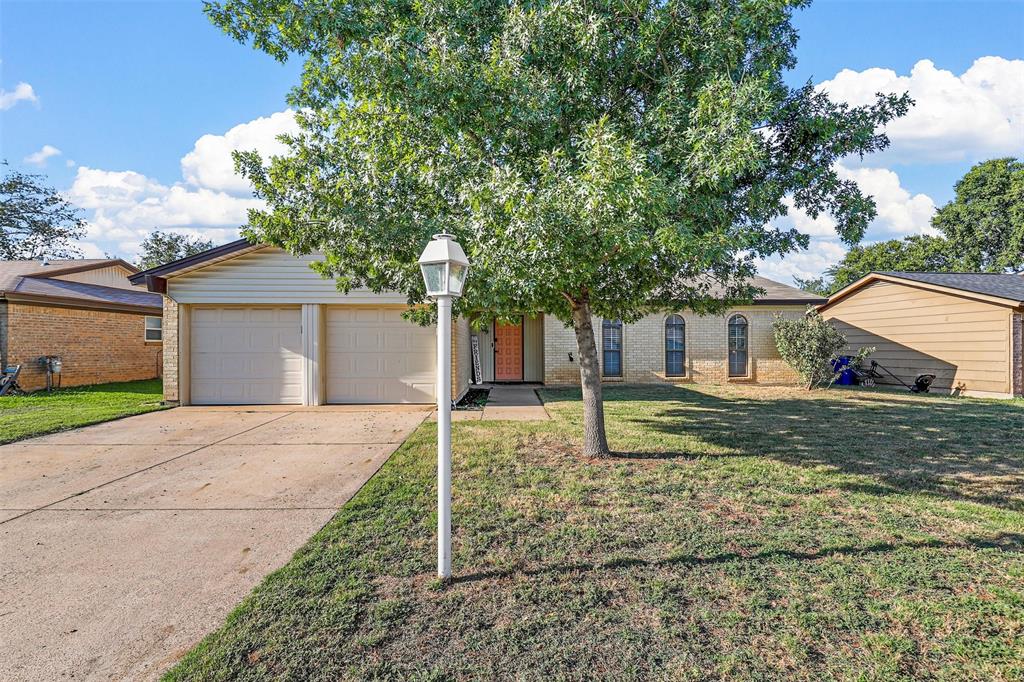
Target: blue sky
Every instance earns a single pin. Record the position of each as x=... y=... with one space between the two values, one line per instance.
x=126 y=92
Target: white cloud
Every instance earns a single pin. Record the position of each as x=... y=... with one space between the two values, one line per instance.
x=209 y=201
x=126 y=206
x=821 y=254
x=976 y=115
x=210 y=165
x=900 y=214
x=40 y=157
x=22 y=92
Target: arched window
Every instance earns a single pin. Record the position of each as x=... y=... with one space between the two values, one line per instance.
x=737 y=346
x=611 y=347
x=675 y=346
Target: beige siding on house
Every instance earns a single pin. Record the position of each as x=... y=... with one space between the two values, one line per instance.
x=267 y=276
x=462 y=357
x=533 y=349
x=486 y=340
x=115 y=276
x=964 y=342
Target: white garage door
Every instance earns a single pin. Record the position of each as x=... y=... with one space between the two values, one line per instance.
x=374 y=356
x=246 y=356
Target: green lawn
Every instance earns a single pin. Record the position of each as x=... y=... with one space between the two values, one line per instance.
x=37 y=413
x=742 y=533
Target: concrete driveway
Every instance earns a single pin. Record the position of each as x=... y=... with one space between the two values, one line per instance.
x=123 y=544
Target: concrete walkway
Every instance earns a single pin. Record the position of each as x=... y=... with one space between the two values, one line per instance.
x=123 y=544
x=506 y=402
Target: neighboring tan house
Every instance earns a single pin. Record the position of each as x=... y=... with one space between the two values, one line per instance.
x=965 y=328
x=84 y=311
x=251 y=324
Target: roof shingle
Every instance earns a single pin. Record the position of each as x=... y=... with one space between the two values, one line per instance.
x=1000 y=285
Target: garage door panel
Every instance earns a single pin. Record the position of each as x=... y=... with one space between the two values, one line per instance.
x=246 y=356
x=373 y=355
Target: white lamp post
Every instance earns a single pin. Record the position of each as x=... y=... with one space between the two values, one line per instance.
x=444 y=266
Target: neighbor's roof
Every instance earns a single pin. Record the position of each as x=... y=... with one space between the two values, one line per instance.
x=995 y=287
x=777 y=292
x=31 y=281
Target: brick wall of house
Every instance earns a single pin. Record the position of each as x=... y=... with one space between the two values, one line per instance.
x=96 y=346
x=170 y=326
x=643 y=349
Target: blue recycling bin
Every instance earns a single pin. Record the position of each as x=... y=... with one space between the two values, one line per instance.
x=846 y=375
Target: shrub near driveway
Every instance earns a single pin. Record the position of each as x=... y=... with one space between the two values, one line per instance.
x=35 y=414
x=741 y=533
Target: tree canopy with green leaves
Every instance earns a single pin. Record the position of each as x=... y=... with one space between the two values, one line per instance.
x=35 y=219
x=981 y=230
x=163 y=247
x=599 y=158
x=985 y=222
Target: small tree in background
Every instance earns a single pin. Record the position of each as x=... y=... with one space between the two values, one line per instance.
x=163 y=247
x=810 y=344
x=35 y=219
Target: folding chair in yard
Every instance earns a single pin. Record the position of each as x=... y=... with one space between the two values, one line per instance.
x=9 y=380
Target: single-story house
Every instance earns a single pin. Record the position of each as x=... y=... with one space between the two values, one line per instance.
x=252 y=324
x=965 y=328
x=87 y=313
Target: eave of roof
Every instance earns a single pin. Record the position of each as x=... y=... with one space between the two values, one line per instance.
x=188 y=263
x=892 y=277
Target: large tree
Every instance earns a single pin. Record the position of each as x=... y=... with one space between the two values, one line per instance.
x=596 y=158
x=35 y=219
x=917 y=253
x=985 y=221
x=163 y=247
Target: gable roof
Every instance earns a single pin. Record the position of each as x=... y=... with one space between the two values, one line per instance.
x=987 y=286
x=32 y=282
x=194 y=262
x=774 y=292
x=779 y=293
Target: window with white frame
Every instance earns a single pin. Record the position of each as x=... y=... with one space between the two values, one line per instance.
x=154 y=329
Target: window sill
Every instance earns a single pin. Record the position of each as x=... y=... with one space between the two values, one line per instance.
x=151 y=341
x=740 y=380
x=612 y=380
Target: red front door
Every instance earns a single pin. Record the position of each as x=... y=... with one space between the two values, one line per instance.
x=508 y=352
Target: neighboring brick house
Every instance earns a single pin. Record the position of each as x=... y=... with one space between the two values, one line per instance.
x=84 y=311
x=251 y=324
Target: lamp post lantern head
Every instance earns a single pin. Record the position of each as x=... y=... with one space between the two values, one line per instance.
x=444 y=266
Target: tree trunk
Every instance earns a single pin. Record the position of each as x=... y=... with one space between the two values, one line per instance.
x=595 y=442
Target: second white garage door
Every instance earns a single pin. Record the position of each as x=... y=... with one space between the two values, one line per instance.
x=375 y=356
x=246 y=356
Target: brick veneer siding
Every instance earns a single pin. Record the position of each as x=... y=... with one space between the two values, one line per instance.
x=96 y=346
x=170 y=327
x=1017 y=354
x=643 y=349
